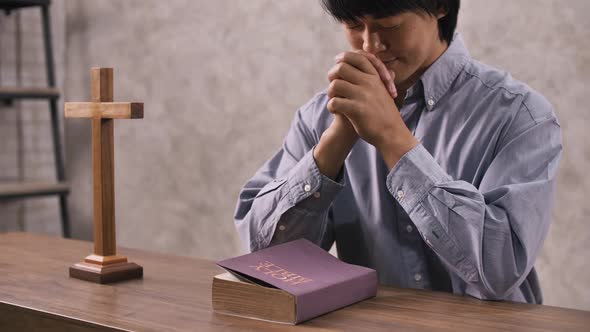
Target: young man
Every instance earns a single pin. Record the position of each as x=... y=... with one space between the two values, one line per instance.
x=448 y=187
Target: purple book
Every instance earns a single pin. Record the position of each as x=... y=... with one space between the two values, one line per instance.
x=319 y=281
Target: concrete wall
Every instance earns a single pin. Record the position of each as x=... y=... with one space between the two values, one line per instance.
x=222 y=79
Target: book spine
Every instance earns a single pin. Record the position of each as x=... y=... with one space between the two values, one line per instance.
x=336 y=296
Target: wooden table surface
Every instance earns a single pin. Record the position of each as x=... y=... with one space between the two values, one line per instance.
x=175 y=295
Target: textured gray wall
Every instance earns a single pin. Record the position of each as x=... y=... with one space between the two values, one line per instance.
x=222 y=79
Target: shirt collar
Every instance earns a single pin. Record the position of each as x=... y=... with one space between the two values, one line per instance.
x=437 y=79
x=415 y=91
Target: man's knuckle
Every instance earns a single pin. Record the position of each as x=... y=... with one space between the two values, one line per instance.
x=351 y=56
x=334 y=105
x=331 y=89
x=331 y=72
x=330 y=105
x=335 y=102
x=364 y=95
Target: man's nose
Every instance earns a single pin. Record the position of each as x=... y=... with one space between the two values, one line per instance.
x=372 y=42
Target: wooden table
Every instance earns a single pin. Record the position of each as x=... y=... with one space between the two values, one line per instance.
x=175 y=295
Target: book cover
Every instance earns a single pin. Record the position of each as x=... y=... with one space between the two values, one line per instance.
x=318 y=281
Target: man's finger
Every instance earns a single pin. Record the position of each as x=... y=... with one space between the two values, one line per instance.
x=342 y=106
x=345 y=71
x=384 y=73
x=378 y=64
x=342 y=89
x=394 y=95
x=358 y=61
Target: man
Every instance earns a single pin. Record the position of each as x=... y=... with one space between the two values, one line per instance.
x=446 y=187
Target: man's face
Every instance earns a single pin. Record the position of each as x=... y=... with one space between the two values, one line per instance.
x=407 y=43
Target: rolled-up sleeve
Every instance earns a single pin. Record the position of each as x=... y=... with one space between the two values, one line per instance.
x=289 y=190
x=488 y=235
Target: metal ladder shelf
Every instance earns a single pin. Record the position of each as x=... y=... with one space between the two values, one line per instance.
x=59 y=187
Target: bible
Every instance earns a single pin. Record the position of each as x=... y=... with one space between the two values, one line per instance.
x=289 y=283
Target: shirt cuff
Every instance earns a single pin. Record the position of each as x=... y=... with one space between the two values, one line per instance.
x=309 y=189
x=414 y=175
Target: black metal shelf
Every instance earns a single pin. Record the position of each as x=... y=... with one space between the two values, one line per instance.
x=10 y=93
x=9 y=5
x=10 y=190
x=59 y=187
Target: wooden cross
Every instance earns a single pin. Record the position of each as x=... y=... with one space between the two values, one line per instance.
x=104 y=265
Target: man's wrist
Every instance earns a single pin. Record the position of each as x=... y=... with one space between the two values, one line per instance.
x=331 y=152
x=393 y=149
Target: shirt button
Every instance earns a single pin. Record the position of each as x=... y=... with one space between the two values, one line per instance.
x=409 y=228
x=317 y=194
x=430 y=102
x=282 y=227
x=417 y=277
x=400 y=194
x=307 y=188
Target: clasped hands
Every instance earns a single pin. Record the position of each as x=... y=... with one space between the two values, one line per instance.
x=362 y=93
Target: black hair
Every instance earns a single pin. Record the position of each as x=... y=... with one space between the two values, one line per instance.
x=353 y=10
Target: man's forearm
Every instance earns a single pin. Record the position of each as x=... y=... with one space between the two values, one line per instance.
x=333 y=148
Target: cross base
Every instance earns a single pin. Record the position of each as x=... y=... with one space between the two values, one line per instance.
x=106 y=269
